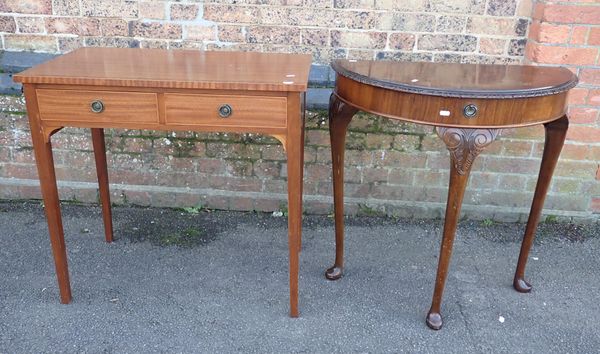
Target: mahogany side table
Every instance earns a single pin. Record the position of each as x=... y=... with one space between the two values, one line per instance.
x=468 y=104
x=156 y=89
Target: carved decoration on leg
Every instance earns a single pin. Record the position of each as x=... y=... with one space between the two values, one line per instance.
x=340 y=115
x=464 y=145
x=556 y=132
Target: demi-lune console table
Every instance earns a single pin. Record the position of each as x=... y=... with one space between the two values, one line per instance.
x=156 y=89
x=468 y=104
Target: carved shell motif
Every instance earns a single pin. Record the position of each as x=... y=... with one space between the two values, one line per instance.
x=465 y=144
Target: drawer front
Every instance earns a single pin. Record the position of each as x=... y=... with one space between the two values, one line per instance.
x=97 y=106
x=226 y=111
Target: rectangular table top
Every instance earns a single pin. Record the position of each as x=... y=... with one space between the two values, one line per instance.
x=184 y=69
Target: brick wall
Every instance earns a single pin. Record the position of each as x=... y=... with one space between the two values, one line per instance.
x=448 y=30
x=400 y=169
x=567 y=34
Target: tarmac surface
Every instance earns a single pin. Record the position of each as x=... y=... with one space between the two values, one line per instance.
x=216 y=282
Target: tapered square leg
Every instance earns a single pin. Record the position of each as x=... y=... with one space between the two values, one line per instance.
x=102 y=172
x=295 y=165
x=45 y=166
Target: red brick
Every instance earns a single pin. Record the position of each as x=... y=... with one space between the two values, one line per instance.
x=578 y=96
x=594 y=37
x=579 y=169
x=590 y=76
x=572 y=14
x=594 y=97
x=583 y=115
x=584 y=134
x=573 y=152
x=538 y=11
x=532 y=132
x=236 y=184
x=579 y=35
x=515 y=148
x=511 y=165
x=560 y=55
x=549 y=33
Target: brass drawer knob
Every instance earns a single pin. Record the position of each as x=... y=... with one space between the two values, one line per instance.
x=225 y=111
x=470 y=111
x=97 y=106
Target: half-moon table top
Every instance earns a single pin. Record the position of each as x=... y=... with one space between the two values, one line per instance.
x=459 y=80
x=181 y=69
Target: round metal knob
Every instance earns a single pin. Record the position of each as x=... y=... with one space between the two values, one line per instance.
x=225 y=111
x=97 y=106
x=470 y=111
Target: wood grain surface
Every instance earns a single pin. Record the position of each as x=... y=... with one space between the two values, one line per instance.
x=73 y=105
x=191 y=69
x=247 y=111
x=459 y=80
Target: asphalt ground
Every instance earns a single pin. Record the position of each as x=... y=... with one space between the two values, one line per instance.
x=216 y=282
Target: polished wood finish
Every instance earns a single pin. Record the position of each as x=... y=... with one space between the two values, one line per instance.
x=459 y=80
x=295 y=156
x=247 y=111
x=164 y=90
x=464 y=145
x=102 y=172
x=340 y=115
x=184 y=69
x=444 y=95
x=556 y=132
x=45 y=167
x=448 y=111
x=75 y=105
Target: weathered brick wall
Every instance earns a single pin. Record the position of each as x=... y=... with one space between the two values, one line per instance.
x=568 y=34
x=468 y=30
x=400 y=169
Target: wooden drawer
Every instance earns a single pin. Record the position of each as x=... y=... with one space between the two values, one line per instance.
x=76 y=106
x=246 y=111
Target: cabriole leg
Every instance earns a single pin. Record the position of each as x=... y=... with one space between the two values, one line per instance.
x=464 y=145
x=340 y=115
x=555 y=138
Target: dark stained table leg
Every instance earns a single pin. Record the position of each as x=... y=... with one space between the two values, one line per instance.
x=340 y=115
x=45 y=166
x=464 y=146
x=102 y=172
x=295 y=164
x=555 y=138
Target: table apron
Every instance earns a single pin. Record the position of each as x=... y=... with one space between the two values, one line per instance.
x=449 y=111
